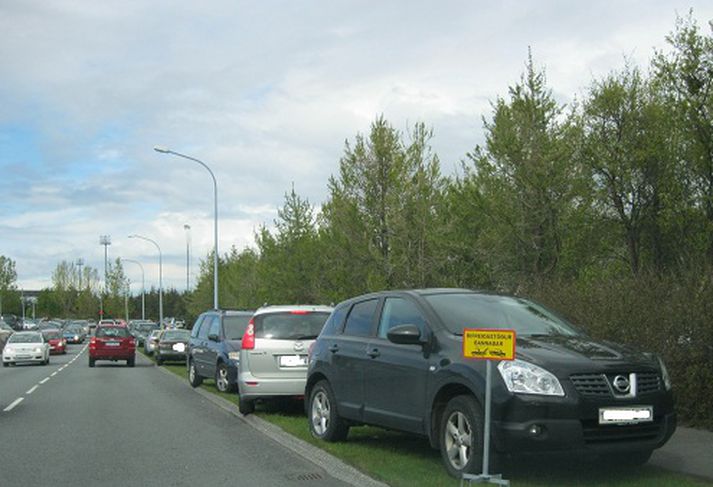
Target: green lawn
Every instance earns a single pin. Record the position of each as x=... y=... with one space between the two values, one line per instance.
x=405 y=460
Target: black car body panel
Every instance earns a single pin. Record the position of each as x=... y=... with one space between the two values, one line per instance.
x=406 y=387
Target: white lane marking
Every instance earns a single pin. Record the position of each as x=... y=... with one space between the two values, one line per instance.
x=44 y=380
x=53 y=374
x=15 y=403
x=32 y=390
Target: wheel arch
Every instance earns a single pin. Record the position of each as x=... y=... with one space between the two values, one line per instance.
x=438 y=405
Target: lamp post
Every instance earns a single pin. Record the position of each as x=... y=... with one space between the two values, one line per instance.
x=160 y=276
x=164 y=150
x=143 y=286
x=187 y=228
x=80 y=264
x=104 y=240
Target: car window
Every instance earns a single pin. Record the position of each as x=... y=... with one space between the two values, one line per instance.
x=205 y=326
x=197 y=326
x=214 y=327
x=335 y=321
x=175 y=335
x=399 y=311
x=25 y=338
x=467 y=310
x=51 y=335
x=360 y=319
x=234 y=326
x=290 y=325
x=112 y=332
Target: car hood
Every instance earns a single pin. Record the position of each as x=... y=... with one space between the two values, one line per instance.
x=571 y=354
x=22 y=347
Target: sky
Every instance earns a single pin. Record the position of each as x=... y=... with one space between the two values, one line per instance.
x=266 y=94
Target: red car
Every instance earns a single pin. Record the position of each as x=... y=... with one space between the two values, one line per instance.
x=112 y=342
x=57 y=342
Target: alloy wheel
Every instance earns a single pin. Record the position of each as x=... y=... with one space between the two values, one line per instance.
x=458 y=440
x=221 y=379
x=321 y=410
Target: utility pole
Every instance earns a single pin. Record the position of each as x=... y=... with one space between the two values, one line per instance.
x=80 y=263
x=104 y=240
x=187 y=228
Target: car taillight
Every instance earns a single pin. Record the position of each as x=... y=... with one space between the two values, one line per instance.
x=132 y=342
x=299 y=312
x=249 y=336
x=93 y=342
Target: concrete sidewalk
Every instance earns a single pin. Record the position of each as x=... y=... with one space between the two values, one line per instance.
x=689 y=451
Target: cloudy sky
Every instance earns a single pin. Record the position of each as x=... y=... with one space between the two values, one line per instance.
x=265 y=93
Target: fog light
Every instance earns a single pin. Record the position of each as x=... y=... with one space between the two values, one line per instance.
x=535 y=430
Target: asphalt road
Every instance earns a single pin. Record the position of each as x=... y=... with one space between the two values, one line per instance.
x=114 y=425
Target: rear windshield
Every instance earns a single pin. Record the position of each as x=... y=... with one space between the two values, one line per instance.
x=113 y=331
x=234 y=326
x=290 y=325
x=147 y=328
x=51 y=335
x=25 y=338
x=176 y=335
x=527 y=318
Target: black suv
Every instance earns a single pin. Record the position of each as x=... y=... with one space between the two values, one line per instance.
x=395 y=359
x=214 y=347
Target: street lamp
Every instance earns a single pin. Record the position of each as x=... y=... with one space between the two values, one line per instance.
x=164 y=150
x=143 y=286
x=187 y=228
x=160 y=276
x=104 y=240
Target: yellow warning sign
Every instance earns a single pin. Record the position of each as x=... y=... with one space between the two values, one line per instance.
x=488 y=344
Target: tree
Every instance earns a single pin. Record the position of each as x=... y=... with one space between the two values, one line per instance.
x=8 y=276
x=523 y=182
x=628 y=149
x=686 y=75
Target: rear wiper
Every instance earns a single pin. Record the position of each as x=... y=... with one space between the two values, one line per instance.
x=304 y=337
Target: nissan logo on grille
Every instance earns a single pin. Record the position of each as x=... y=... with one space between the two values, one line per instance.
x=621 y=384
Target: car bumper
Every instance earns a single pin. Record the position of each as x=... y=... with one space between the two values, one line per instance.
x=171 y=356
x=533 y=426
x=257 y=387
x=24 y=359
x=113 y=355
x=58 y=349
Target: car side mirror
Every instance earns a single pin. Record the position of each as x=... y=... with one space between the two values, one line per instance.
x=213 y=337
x=405 y=335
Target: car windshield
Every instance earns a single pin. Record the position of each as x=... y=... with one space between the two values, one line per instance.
x=5 y=326
x=469 y=310
x=112 y=332
x=25 y=338
x=176 y=335
x=146 y=328
x=294 y=325
x=51 y=335
x=234 y=326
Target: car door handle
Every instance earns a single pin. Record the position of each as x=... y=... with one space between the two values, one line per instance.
x=373 y=353
x=334 y=348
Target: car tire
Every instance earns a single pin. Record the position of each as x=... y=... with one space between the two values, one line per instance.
x=246 y=406
x=461 y=437
x=221 y=378
x=159 y=362
x=91 y=362
x=324 y=420
x=193 y=378
x=46 y=362
x=131 y=362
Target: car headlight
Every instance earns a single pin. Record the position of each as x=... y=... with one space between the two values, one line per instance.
x=76 y=337
x=38 y=350
x=664 y=374
x=525 y=378
x=234 y=355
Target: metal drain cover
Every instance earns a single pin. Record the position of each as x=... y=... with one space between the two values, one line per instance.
x=304 y=476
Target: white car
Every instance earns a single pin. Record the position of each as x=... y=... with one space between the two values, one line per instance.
x=26 y=347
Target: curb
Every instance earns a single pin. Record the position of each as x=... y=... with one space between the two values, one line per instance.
x=329 y=463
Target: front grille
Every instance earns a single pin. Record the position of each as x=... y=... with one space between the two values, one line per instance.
x=648 y=382
x=594 y=433
x=591 y=385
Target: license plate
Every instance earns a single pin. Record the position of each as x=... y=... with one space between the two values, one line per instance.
x=626 y=415
x=179 y=347
x=293 y=361
x=112 y=344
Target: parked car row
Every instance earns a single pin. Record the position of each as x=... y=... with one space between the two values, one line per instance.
x=395 y=359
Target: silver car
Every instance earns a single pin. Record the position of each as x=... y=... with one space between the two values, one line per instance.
x=26 y=347
x=151 y=341
x=273 y=355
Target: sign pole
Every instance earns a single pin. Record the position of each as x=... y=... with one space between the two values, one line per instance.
x=486 y=432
